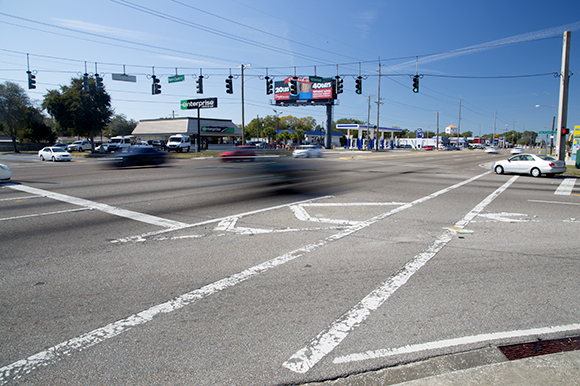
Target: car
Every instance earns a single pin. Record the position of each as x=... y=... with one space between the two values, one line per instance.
x=5 y=172
x=61 y=144
x=307 y=151
x=54 y=154
x=140 y=156
x=532 y=164
x=239 y=153
x=492 y=150
x=79 y=146
x=517 y=150
x=428 y=147
x=157 y=144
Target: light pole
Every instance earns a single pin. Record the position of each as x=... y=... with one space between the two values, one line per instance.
x=243 y=66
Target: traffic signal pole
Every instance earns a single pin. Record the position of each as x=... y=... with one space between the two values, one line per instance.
x=563 y=102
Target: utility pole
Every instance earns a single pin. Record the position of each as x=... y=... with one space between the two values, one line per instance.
x=493 y=138
x=243 y=129
x=378 y=105
x=437 y=140
x=563 y=103
x=459 y=122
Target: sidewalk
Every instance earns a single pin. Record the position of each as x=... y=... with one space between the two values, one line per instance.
x=486 y=366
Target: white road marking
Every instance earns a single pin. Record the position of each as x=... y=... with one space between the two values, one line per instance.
x=44 y=358
x=326 y=341
x=20 y=198
x=506 y=217
x=154 y=220
x=566 y=187
x=555 y=202
x=44 y=214
x=496 y=338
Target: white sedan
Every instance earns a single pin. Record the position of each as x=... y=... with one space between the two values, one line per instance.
x=307 y=151
x=54 y=154
x=5 y=172
x=533 y=164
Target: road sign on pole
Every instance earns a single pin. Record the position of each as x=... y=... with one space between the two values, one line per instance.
x=548 y=132
x=176 y=78
x=205 y=103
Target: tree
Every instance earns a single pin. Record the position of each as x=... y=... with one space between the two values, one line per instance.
x=85 y=114
x=36 y=129
x=119 y=125
x=14 y=103
x=284 y=136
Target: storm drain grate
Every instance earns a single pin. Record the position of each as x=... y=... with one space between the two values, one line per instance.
x=541 y=347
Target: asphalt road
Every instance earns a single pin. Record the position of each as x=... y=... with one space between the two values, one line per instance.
x=201 y=273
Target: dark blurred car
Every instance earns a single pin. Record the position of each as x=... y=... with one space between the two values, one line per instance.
x=157 y=144
x=239 y=153
x=140 y=156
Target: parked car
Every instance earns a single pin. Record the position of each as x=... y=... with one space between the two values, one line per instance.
x=533 y=164
x=5 y=172
x=61 y=144
x=79 y=146
x=307 y=151
x=239 y=153
x=179 y=143
x=140 y=156
x=157 y=144
x=54 y=154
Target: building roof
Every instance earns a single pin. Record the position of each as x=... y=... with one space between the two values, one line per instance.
x=209 y=127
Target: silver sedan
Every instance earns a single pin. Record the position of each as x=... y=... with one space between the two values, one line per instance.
x=54 y=154
x=533 y=164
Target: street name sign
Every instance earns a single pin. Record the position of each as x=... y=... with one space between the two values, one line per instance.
x=206 y=103
x=176 y=78
x=548 y=132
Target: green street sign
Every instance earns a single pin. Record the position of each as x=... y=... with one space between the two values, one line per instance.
x=176 y=78
x=548 y=132
x=317 y=79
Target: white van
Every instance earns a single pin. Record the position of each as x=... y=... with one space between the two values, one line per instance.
x=179 y=142
x=120 y=143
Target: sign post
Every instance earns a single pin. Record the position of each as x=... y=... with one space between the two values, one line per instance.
x=205 y=103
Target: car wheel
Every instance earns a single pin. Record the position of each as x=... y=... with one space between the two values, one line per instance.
x=535 y=172
x=41 y=158
x=499 y=169
x=53 y=159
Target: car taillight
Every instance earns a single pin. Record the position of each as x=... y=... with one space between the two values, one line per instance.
x=551 y=164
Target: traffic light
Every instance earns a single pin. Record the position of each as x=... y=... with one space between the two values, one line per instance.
x=31 y=80
x=229 y=85
x=200 y=84
x=359 y=85
x=86 y=82
x=99 y=82
x=155 y=87
x=294 y=86
x=565 y=131
x=416 y=84
x=338 y=84
x=269 y=86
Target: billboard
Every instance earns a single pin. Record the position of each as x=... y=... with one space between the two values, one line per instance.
x=310 y=90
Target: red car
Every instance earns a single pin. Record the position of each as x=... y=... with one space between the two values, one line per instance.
x=428 y=147
x=239 y=153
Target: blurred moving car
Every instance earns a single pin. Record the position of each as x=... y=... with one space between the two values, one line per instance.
x=517 y=150
x=5 y=172
x=54 y=154
x=533 y=164
x=239 y=153
x=140 y=156
x=79 y=146
x=492 y=150
x=428 y=147
x=307 y=151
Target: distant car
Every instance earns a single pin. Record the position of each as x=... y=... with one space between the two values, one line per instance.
x=141 y=144
x=450 y=147
x=492 y=150
x=428 y=147
x=79 y=146
x=54 y=154
x=532 y=164
x=5 y=172
x=140 y=156
x=61 y=144
x=157 y=144
x=517 y=150
x=307 y=151
x=239 y=153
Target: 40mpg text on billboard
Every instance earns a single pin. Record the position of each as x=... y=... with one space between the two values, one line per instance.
x=206 y=103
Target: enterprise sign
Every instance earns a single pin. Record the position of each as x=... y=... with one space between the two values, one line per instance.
x=207 y=103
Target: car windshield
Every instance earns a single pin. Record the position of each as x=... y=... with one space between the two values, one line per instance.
x=115 y=140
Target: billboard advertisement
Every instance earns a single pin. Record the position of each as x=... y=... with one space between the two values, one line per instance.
x=310 y=90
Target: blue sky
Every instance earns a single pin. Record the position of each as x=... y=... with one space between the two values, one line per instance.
x=462 y=49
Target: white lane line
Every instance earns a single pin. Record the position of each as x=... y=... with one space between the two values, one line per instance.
x=496 y=338
x=44 y=214
x=327 y=340
x=20 y=198
x=566 y=187
x=44 y=358
x=154 y=220
x=555 y=202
